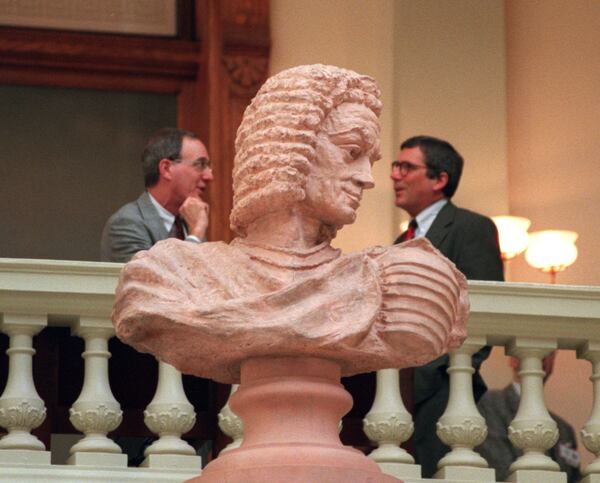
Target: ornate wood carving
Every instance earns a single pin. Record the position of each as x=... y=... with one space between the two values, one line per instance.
x=246 y=74
x=236 y=52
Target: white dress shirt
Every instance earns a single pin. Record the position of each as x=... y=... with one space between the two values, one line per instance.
x=426 y=218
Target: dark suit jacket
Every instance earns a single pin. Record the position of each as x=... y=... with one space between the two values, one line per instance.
x=134 y=227
x=499 y=409
x=470 y=240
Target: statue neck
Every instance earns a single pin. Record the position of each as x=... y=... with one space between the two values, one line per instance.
x=288 y=229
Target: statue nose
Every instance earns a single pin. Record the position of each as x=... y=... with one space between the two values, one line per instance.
x=362 y=177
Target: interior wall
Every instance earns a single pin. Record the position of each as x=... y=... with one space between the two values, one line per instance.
x=553 y=126
x=356 y=35
x=450 y=83
x=553 y=66
x=443 y=68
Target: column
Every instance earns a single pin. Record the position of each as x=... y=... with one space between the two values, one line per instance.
x=96 y=411
x=169 y=415
x=461 y=426
x=533 y=430
x=231 y=424
x=389 y=424
x=21 y=408
x=591 y=431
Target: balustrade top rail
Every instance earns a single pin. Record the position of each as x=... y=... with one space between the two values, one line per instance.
x=65 y=290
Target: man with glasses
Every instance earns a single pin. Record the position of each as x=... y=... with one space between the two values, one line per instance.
x=177 y=172
x=426 y=174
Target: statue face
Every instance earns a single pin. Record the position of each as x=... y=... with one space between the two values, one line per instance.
x=347 y=146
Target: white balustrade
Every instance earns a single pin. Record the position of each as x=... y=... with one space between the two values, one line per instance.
x=231 y=424
x=96 y=411
x=533 y=430
x=80 y=295
x=21 y=408
x=389 y=424
x=461 y=426
x=591 y=431
x=170 y=415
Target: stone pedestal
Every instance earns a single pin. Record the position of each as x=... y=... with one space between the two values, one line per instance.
x=291 y=408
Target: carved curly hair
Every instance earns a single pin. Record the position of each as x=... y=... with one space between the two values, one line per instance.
x=275 y=143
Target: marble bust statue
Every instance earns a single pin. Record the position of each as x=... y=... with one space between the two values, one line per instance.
x=304 y=152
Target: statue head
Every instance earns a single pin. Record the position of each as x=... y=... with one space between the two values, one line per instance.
x=308 y=139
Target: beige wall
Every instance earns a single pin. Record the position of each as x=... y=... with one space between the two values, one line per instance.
x=553 y=85
x=450 y=82
x=554 y=125
x=441 y=69
x=357 y=35
x=531 y=144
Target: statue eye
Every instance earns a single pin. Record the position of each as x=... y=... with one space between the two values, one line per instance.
x=353 y=150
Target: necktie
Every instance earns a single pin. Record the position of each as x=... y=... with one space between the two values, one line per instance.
x=412 y=228
x=177 y=230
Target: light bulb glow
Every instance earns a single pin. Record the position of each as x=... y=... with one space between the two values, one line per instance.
x=551 y=250
x=512 y=232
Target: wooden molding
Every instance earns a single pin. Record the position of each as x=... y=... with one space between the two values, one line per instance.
x=246 y=74
x=27 y=53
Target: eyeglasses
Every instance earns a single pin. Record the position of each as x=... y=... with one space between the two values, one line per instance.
x=200 y=164
x=404 y=167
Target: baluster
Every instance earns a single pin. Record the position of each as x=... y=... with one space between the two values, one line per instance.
x=389 y=424
x=591 y=430
x=96 y=411
x=231 y=424
x=169 y=415
x=533 y=430
x=461 y=426
x=21 y=408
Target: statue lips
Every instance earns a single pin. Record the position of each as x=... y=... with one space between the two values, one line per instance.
x=354 y=198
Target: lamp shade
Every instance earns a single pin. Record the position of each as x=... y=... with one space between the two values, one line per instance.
x=551 y=250
x=512 y=231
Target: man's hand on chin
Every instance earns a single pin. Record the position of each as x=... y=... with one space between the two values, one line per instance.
x=195 y=212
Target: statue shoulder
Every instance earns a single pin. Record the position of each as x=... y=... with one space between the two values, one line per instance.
x=423 y=293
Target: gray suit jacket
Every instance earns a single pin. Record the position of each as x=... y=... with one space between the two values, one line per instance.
x=134 y=227
x=499 y=409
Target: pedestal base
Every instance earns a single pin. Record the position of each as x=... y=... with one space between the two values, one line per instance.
x=295 y=474
x=172 y=461
x=466 y=473
x=535 y=476
x=401 y=470
x=291 y=408
x=108 y=460
x=591 y=479
x=24 y=457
